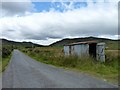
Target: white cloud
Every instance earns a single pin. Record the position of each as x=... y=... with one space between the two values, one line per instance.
x=97 y=19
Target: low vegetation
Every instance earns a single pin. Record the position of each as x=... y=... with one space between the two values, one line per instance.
x=5 y=62
x=55 y=56
x=0 y=57
x=6 y=55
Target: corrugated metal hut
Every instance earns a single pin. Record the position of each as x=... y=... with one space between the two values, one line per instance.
x=88 y=48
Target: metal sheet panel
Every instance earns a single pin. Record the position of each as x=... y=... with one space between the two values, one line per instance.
x=85 y=49
x=77 y=50
x=100 y=52
x=81 y=49
x=72 y=50
x=66 y=50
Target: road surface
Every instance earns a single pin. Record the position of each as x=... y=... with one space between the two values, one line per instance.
x=24 y=72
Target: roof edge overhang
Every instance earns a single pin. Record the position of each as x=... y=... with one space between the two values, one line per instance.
x=79 y=43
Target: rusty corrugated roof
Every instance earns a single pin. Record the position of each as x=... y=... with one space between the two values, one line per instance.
x=86 y=42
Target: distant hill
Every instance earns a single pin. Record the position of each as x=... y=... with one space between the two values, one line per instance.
x=6 y=42
x=111 y=44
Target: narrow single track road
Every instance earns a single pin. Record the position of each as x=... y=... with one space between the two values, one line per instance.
x=25 y=72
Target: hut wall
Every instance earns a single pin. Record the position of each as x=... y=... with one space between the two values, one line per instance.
x=66 y=50
x=82 y=49
x=100 y=52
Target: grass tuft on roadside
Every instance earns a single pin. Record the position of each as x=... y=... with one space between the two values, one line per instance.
x=5 y=57
x=5 y=62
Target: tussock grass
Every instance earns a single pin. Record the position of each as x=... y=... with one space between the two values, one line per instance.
x=5 y=62
x=55 y=56
x=0 y=63
x=5 y=57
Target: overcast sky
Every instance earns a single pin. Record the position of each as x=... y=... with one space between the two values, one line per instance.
x=47 y=22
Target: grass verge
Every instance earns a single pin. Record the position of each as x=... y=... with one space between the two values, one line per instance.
x=5 y=62
x=0 y=63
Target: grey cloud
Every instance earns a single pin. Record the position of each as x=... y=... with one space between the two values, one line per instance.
x=41 y=35
x=16 y=8
x=10 y=30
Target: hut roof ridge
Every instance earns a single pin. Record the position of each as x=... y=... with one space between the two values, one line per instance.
x=85 y=42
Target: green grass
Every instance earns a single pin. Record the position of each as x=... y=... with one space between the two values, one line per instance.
x=5 y=57
x=0 y=58
x=5 y=62
x=55 y=56
x=113 y=45
x=0 y=63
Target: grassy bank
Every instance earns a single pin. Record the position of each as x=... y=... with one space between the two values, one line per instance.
x=5 y=58
x=55 y=56
x=5 y=62
x=0 y=57
x=0 y=63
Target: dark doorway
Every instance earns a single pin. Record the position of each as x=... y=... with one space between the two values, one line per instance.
x=92 y=50
x=70 y=50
